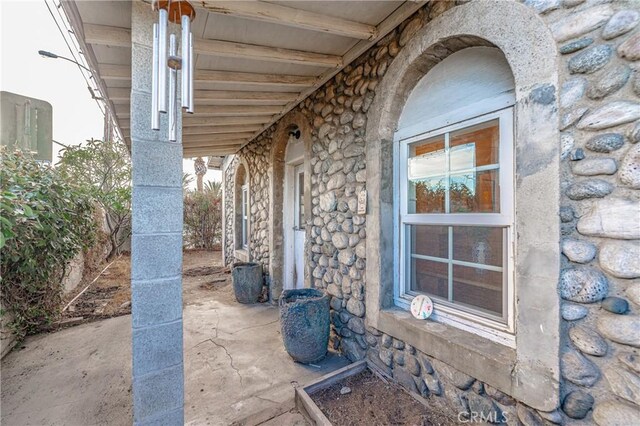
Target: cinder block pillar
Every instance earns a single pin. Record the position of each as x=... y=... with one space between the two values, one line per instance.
x=156 y=245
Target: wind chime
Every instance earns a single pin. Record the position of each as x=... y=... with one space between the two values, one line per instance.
x=166 y=61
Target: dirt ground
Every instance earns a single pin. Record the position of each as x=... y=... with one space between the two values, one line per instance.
x=375 y=402
x=204 y=276
x=110 y=295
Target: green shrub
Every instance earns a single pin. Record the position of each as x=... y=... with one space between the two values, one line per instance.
x=203 y=219
x=104 y=169
x=46 y=221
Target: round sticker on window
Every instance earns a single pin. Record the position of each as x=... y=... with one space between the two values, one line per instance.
x=421 y=306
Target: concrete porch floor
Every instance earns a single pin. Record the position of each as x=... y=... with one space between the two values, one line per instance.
x=236 y=367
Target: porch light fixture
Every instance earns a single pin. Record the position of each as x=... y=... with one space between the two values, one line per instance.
x=167 y=60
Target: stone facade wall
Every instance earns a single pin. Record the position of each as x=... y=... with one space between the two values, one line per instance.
x=256 y=157
x=228 y=182
x=600 y=47
x=599 y=44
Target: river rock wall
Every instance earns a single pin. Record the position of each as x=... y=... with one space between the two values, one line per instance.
x=599 y=48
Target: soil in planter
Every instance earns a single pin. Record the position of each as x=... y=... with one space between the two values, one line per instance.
x=374 y=402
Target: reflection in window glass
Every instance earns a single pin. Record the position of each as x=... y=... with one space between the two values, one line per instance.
x=485 y=138
x=456 y=172
x=427 y=176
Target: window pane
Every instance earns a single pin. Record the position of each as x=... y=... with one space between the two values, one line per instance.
x=478 y=288
x=480 y=141
x=478 y=244
x=429 y=240
x=429 y=277
x=475 y=192
x=300 y=218
x=245 y=229
x=427 y=176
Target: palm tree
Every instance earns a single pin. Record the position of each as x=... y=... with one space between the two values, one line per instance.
x=186 y=181
x=213 y=187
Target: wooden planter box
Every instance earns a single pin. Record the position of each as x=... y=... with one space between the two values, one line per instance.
x=308 y=407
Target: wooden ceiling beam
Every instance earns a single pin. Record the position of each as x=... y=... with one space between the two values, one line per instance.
x=122 y=110
x=114 y=72
x=208 y=76
x=236 y=110
x=189 y=145
x=213 y=151
x=123 y=72
x=194 y=121
x=209 y=121
x=121 y=37
x=231 y=49
x=288 y=16
x=215 y=130
x=210 y=136
x=212 y=124
x=107 y=35
x=121 y=95
x=216 y=138
x=241 y=95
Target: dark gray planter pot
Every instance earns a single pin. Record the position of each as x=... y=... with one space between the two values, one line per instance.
x=304 y=318
x=247 y=281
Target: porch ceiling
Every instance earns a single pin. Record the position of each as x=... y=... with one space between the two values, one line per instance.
x=255 y=60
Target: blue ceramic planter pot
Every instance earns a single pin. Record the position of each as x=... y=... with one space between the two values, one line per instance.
x=304 y=318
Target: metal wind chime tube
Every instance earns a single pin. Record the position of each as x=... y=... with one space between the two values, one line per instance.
x=173 y=76
x=192 y=61
x=163 y=24
x=186 y=60
x=155 y=111
x=178 y=12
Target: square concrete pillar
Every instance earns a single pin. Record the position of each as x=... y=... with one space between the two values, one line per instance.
x=156 y=245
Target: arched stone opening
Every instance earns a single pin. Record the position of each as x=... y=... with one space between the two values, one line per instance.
x=242 y=206
x=530 y=372
x=294 y=123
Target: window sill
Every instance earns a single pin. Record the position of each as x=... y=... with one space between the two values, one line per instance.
x=241 y=254
x=486 y=360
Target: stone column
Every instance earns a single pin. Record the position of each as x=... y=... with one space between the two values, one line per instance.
x=156 y=245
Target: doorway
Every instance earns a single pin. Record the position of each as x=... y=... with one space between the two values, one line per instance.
x=294 y=219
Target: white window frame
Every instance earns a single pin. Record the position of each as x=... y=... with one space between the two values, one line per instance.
x=245 y=216
x=467 y=319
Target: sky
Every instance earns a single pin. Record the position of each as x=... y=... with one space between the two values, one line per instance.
x=26 y=27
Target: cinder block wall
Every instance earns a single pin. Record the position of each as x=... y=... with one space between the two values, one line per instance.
x=599 y=48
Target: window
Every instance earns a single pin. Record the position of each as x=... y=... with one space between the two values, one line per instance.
x=455 y=221
x=241 y=213
x=245 y=216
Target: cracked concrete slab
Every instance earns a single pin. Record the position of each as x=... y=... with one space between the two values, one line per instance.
x=247 y=362
x=236 y=368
